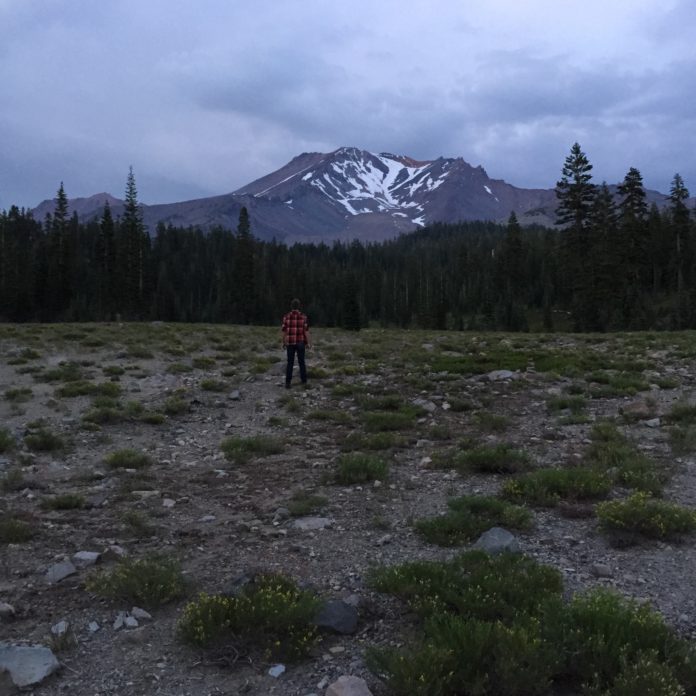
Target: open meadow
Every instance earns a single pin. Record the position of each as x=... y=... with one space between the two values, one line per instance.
x=173 y=462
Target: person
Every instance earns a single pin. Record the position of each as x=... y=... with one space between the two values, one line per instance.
x=295 y=330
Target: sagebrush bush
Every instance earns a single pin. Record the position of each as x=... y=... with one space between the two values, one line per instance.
x=470 y=516
x=497 y=626
x=127 y=459
x=359 y=468
x=493 y=459
x=305 y=503
x=14 y=530
x=44 y=440
x=66 y=501
x=547 y=487
x=644 y=515
x=241 y=449
x=150 y=582
x=271 y=614
x=7 y=441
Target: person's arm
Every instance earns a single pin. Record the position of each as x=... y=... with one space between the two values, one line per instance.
x=283 y=333
x=309 y=340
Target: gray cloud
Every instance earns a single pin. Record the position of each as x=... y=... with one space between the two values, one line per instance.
x=202 y=99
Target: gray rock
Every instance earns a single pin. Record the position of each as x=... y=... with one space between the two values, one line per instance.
x=168 y=503
x=601 y=570
x=500 y=375
x=140 y=614
x=337 y=616
x=60 y=571
x=282 y=513
x=640 y=410
x=93 y=626
x=348 y=686
x=208 y=518
x=235 y=395
x=120 y=621
x=312 y=524
x=235 y=587
x=60 y=629
x=131 y=622
x=114 y=553
x=7 y=611
x=498 y=540
x=653 y=423
x=27 y=665
x=425 y=404
x=276 y=671
x=4 y=463
x=85 y=559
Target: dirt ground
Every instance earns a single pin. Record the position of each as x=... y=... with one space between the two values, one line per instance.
x=221 y=519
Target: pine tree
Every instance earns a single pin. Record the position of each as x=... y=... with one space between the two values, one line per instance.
x=132 y=244
x=575 y=194
x=678 y=193
x=244 y=269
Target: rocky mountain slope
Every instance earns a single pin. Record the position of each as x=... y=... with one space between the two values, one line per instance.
x=350 y=194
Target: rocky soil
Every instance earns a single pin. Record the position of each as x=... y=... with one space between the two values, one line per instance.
x=222 y=519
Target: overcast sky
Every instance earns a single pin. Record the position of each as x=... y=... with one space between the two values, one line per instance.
x=203 y=97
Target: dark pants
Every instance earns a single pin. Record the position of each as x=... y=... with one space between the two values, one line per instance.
x=298 y=348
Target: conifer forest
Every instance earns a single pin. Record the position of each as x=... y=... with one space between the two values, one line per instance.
x=611 y=263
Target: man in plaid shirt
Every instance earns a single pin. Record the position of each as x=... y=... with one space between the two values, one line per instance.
x=295 y=329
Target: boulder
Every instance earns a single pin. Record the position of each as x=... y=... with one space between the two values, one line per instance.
x=60 y=571
x=312 y=524
x=348 y=686
x=498 y=540
x=337 y=616
x=27 y=665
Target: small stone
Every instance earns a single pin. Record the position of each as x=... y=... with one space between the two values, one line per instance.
x=425 y=404
x=208 y=518
x=140 y=614
x=93 y=626
x=312 y=524
x=114 y=553
x=601 y=570
x=120 y=621
x=60 y=629
x=426 y=461
x=7 y=611
x=60 y=571
x=276 y=671
x=131 y=622
x=144 y=495
x=500 y=375
x=235 y=395
x=85 y=559
x=386 y=539
x=653 y=423
x=497 y=540
x=348 y=686
x=168 y=503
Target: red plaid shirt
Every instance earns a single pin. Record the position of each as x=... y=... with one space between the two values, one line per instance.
x=295 y=327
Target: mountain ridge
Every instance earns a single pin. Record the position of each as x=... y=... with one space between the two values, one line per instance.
x=349 y=194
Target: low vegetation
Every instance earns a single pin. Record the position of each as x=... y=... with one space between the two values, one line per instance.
x=359 y=468
x=242 y=449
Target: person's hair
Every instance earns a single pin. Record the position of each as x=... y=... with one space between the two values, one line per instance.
x=295 y=304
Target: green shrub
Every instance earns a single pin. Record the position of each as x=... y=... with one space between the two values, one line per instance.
x=271 y=614
x=84 y=388
x=305 y=503
x=149 y=581
x=473 y=585
x=612 y=451
x=65 y=372
x=493 y=459
x=682 y=439
x=137 y=524
x=380 y=421
x=175 y=406
x=66 y=501
x=547 y=487
x=127 y=459
x=330 y=416
x=203 y=362
x=18 y=394
x=7 y=441
x=647 y=676
x=470 y=516
x=14 y=530
x=43 y=440
x=468 y=656
x=179 y=368
x=375 y=441
x=113 y=370
x=644 y=515
x=359 y=468
x=491 y=422
x=574 y=404
x=213 y=385
x=601 y=633
x=241 y=449
x=12 y=481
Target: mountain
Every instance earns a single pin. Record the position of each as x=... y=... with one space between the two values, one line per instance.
x=350 y=194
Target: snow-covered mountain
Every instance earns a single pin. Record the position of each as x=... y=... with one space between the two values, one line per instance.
x=352 y=194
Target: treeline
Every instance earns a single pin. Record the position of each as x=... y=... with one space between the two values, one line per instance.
x=614 y=264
